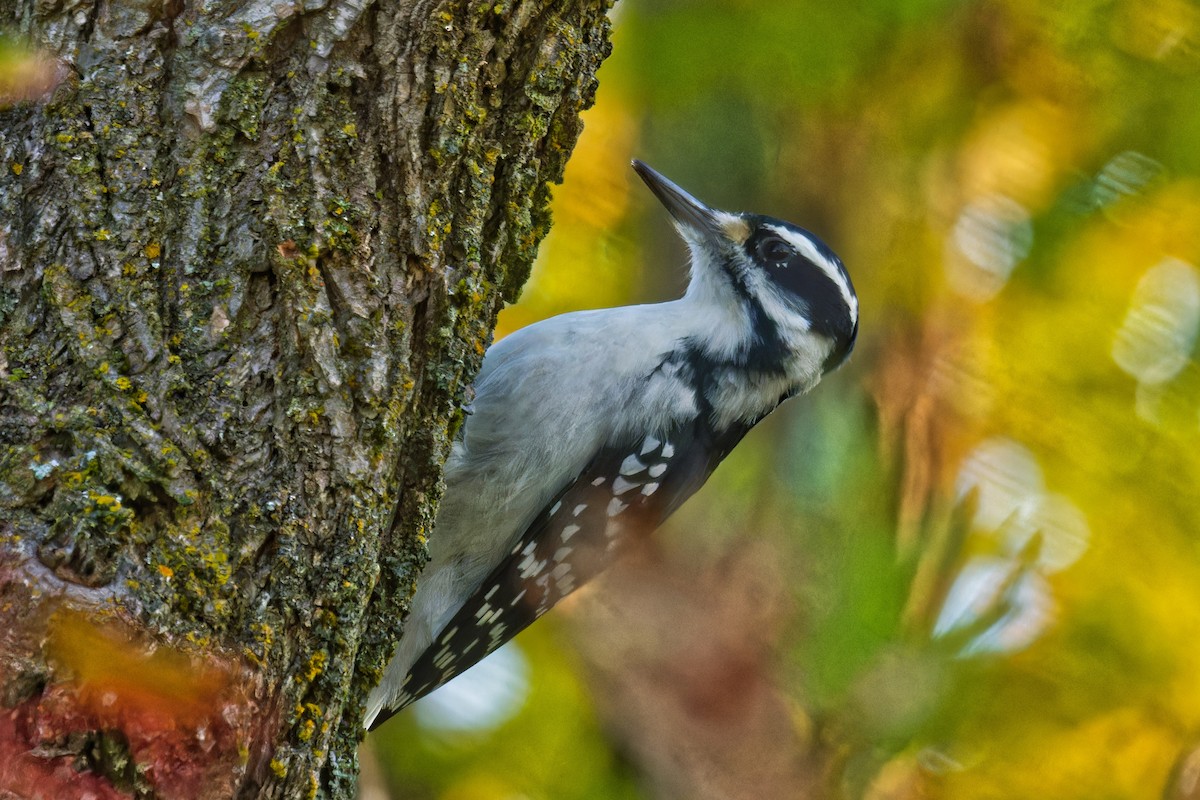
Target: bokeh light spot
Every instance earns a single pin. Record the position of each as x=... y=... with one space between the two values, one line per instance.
x=1001 y=588
x=1155 y=341
x=1126 y=175
x=991 y=236
x=482 y=698
x=1006 y=477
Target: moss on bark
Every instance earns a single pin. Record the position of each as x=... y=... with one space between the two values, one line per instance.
x=250 y=262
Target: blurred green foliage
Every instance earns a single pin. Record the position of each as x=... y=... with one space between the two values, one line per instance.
x=985 y=526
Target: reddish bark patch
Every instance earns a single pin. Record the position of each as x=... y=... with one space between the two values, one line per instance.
x=44 y=771
x=118 y=716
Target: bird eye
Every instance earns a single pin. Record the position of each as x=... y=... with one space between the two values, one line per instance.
x=774 y=250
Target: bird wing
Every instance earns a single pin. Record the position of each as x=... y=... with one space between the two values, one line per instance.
x=626 y=490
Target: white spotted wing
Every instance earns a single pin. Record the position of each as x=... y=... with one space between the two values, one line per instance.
x=625 y=492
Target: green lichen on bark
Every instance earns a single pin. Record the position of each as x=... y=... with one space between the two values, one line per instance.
x=250 y=266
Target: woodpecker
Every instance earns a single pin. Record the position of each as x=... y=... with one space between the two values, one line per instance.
x=589 y=429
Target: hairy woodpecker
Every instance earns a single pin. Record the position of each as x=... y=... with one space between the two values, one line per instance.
x=590 y=428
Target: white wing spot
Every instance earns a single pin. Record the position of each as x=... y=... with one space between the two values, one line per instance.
x=649 y=489
x=579 y=509
x=599 y=481
x=444 y=658
x=569 y=531
x=621 y=486
x=631 y=466
x=561 y=571
x=491 y=592
x=517 y=599
x=668 y=450
x=657 y=469
x=483 y=609
x=561 y=554
x=615 y=506
x=649 y=444
x=554 y=509
x=529 y=549
x=448 y=635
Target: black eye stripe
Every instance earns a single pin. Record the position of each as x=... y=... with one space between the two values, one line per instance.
x=822 y=297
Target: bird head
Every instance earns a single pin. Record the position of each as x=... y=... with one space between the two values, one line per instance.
x=790 y=288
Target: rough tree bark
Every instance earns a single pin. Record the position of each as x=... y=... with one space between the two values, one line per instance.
x=251 y=253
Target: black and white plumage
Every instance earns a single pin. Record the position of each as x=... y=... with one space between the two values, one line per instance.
x=592 y=427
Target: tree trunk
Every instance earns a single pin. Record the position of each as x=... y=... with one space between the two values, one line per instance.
x=251 y=254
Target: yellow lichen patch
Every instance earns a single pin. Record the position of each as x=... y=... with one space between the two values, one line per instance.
x=308 y=713
x=17 y=168
x=306 y=730
x=166 y=571
x=316 y=664
x=106 y=500
x=152 y=250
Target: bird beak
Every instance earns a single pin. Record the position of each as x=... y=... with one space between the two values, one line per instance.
x=690 y=214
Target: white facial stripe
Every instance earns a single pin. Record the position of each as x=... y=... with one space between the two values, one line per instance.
x=806 y=248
